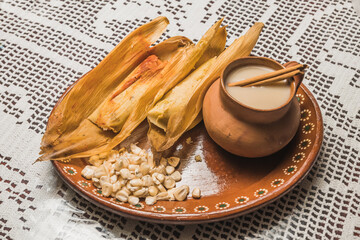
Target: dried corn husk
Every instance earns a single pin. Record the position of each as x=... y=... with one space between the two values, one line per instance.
x=163 y=134
x=88 y=136
x=93 y=87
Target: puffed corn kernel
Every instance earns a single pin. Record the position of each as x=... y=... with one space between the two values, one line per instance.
x=135 y=160
x=147 y=181
x=88 y=172
x=106 y=189
x=133 y=200
x=169 y=170
x=122 y=196
x=196 y=193
x=173 y=161
x=97 y=184
x=118 y=165
x=171 y=194
x=104 y=179
x=181 y=193
x=133 y=167
x=113 y=179
x=142 y=192
x=144 y=168
x=100 y=171
x=161 y=188
x=137 y=173
x=124 y=188
x=153 y=190
x=169 y=182
x=163 y=196
x=176 y=176
x=150 y=160
x=125 y=162
x=154 y=178
x=131 y=188
x=135 y=149
x=116 y=186
x=136 y=182
x=149 y=200
x=125 y=173
x=160 y=177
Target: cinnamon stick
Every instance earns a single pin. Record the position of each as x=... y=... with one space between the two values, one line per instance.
x=275 y=79
x=270 y=75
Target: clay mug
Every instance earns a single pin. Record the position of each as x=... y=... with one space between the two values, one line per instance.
x=246 y=131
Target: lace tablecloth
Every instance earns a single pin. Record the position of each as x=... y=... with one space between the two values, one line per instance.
x=47 y=44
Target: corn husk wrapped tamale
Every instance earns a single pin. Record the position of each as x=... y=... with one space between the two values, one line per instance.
x=179 y=110
x=92 y=88
x=89 y=136
x=116 y=108
x=178 y=95
x=177 y=67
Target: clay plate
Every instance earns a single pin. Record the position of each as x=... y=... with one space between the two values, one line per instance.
x=230 y=185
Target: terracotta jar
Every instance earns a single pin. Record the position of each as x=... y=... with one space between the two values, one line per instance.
x=246 y=131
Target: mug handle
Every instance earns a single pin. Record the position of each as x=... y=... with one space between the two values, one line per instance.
x=298 y=78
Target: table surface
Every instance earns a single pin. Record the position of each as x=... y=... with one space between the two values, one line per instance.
x=46 y=45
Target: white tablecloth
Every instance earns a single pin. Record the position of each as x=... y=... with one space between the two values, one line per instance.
x=46 y=45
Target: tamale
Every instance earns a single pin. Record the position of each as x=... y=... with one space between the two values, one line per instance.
x=87 y=135
x=175 y=70
x=179 y=116
x=92 y=88
x=177 y=97
x=116 y=108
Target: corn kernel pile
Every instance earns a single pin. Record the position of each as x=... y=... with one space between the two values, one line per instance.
x=130 y=177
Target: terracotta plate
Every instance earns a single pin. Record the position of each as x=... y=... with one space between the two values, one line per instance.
x=230 y=185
